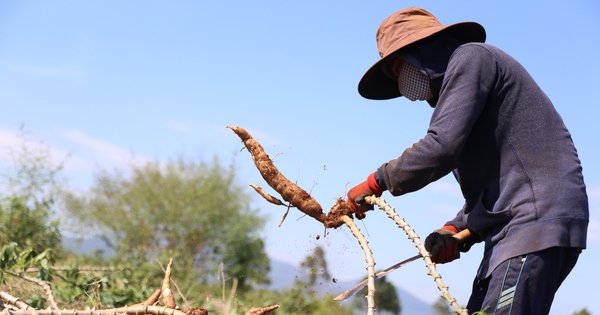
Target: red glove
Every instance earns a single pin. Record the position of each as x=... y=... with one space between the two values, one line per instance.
x=356 y=196
x=442 y=245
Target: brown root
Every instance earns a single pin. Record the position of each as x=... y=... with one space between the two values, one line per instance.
x=167 y=293
x=152 y=300
x=267 y=197
x=262 y=310
x=196 y=311
x=289 y=191
x=335 y=215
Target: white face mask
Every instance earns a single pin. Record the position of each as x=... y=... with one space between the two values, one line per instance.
x=412 y=83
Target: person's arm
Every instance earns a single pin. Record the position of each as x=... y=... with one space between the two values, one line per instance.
x=471 y=74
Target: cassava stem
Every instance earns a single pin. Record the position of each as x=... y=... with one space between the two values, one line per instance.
x=364 y=244
x=437 y=278
x=41 y=283
x=132 y=310
x=11 y=300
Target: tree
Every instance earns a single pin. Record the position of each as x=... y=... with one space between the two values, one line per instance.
x=583 y=311
x=30 y=227
x=441 y=307
x=386 y=298
x=34 y=174
x=315 y=267
x=192 y=211
x=31 y=184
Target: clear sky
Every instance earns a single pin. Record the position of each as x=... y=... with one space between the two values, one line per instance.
x=111 y=81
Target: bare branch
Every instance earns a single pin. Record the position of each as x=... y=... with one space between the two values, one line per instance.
x=131 y=310
x=41 y=283
x=364 y=244
x=80 y=269
x=4 y=296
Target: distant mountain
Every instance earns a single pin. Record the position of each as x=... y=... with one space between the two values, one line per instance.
x=87 y=245
x=283 y=275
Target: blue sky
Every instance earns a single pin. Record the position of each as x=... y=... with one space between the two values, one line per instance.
x=110 y=82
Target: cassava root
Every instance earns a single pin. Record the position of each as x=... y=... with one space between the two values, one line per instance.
x=289 y=191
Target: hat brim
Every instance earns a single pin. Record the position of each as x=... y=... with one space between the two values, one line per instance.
x=376 y=85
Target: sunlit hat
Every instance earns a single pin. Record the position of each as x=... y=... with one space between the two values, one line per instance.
x=399 y=30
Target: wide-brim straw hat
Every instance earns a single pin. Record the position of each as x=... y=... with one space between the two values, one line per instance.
x=401 y=29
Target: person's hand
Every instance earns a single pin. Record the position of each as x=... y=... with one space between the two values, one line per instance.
x=356 y=196
x=443 y=246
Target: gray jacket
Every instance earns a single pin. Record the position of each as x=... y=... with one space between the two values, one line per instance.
x=514 y=159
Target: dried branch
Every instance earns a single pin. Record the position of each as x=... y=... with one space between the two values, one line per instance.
x=41 y=283
x=81 y=269
x=232 y=291
x=225 y=303
x=364 y=244
x=421 y=246
x=6 y=297
x=144 y=308
x=131 y=310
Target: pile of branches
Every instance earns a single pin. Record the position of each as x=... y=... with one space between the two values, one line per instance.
x=10 y=305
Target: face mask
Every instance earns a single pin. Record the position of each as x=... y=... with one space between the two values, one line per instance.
x=412 y=83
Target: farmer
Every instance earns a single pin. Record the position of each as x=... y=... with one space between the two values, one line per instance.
x=496 y=130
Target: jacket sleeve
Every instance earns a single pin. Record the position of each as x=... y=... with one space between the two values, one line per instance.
x=470 y=76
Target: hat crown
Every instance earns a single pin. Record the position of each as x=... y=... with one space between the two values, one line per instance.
x=404 y=27
x=401 y=29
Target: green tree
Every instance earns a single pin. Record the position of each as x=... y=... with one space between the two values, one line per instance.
x=30 y=184
x=33 y=174
x=189 y=210
x=315 y=267
x=442 y=307
x=386 y=297
x=30 y=227
x=583 y=311
x=305 y=297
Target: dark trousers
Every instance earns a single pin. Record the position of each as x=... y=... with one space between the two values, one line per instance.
x=524 y=285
